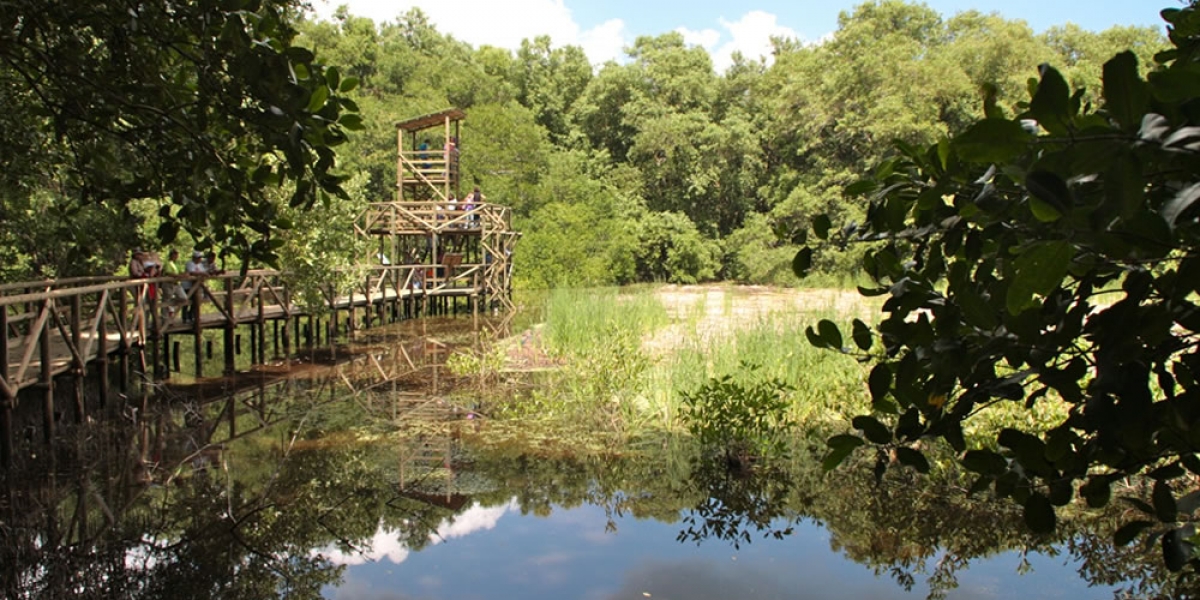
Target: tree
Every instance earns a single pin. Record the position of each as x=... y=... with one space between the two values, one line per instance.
x=1047 y=257
x=203 y=106
x=549 y=81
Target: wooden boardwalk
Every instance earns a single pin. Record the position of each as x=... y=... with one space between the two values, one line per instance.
x=54 y=328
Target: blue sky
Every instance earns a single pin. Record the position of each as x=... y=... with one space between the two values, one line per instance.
x=604 y=27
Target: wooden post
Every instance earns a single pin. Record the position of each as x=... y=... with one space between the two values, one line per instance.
x=369 y=305
x=47 y=376
x=199 y=287
x=80 y=370
x=155 y=331
x=261 y=325
x=123 y=326
x=230 y=324
x=287 y=320
x=333 y=313
x=6 y=414
x=169 y=353
x=175 y=357
x=102 y=351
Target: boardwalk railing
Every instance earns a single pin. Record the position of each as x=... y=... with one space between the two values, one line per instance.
x=60 y=327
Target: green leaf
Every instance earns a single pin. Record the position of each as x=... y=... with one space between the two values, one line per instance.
x=300 y=55
x=1129 y=531
x=840 y=447
x=821 y=225
x=1051 y=104
x=1038 y=270
x=1039 y=514
x=1097 y=491
x=830 y=334
x=167 y=231
x=992 y=141
x=351 y=121
x=802 y=262
x=1175 y=207
x=1043 y=211
x=1126 y=96
x=912 y=458
x=862 y=335
x=879 y=382
x=1051 y=189
x=318 y=98
x=348 y=84
x=814 y=339
x=1164 y=502
x=985 y=462
x=860 y=187
x=875 y=432
x=1176 y=550
x=1124 y=186
x=990 y=109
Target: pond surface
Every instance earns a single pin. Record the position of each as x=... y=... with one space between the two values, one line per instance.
x=372 y=472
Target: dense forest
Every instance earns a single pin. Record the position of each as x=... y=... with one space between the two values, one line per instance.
x=656 y=168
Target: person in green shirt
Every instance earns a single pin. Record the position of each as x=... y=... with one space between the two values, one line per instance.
x=175 y=295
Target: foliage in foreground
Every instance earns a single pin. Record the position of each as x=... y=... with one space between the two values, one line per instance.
x=203 y=107
x=1047 y=254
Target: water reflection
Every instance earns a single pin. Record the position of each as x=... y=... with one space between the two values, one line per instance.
x=375 y=472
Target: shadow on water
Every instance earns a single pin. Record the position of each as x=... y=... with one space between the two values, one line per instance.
x=302 y=478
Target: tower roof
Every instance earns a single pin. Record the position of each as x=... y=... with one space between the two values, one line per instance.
x=431 y=120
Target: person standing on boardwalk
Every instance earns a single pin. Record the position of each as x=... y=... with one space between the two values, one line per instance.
x=137 y=266
x=193 y=268
x=175 y=295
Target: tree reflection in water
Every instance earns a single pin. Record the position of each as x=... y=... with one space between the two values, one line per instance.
x=738 y=503
x=246 y=496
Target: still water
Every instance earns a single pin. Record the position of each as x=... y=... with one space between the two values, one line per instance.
x=373 y=472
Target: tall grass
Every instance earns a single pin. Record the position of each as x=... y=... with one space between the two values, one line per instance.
x=826 y=385
x=599 y=333
x=577 y=320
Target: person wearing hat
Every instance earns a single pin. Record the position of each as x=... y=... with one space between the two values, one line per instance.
x=192 y=268
x=137 y=266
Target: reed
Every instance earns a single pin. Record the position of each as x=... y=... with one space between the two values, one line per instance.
x=614 y=379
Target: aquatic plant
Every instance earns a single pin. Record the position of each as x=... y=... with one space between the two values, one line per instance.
x=743 y=419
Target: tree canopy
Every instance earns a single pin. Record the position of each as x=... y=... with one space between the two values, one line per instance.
x=1045 y=254
x=203 y=108
x=200 y=123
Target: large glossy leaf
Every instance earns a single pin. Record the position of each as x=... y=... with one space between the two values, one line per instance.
x=875 y=432
x=1125 y=94
x=1038 y=270
x=802 y=262
x=992 y=140
x=1039 y=514
x=840 y=446
x=1051 y=104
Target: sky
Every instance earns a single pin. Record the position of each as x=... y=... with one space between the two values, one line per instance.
x=604 y=27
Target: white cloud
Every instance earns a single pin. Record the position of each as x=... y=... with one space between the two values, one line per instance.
x=605 y=42
x=751 y=36
x=706 y=38
x=476 y=518
x=384 y=544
